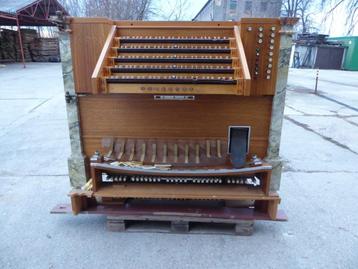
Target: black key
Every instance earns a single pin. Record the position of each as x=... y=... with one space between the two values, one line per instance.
x=175 y=40
x=173 y=70
x=173 y=60
x=173 y=50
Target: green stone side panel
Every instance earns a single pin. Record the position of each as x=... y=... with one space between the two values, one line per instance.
x=76 y=162
x=278 y=106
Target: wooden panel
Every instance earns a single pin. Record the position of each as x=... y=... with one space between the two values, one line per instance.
x=172 y=88
x=250 y=37
x=87 y=40
x=139 y=116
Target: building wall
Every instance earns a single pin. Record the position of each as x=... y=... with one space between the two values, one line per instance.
x=351 y=56
x=225 y=10
x=329 y=57
x=306 y=56
x=321 y=57
x=206 y=13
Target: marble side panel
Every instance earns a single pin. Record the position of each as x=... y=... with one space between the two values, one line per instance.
x=77 y=172
x=66 y=61
x=278 y=107
x=76 y=163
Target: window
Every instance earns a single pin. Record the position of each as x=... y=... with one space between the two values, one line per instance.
x=233 y=4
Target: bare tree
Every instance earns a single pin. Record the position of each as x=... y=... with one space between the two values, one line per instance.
x=115 y=9
x=176 y=12
x=74 y=7
x=299 y=9
x=351 y=7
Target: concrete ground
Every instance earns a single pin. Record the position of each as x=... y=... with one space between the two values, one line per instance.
x=319 y=187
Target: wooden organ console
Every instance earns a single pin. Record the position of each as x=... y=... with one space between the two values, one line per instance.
x=156 y=103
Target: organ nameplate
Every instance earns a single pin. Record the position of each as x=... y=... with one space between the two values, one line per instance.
x=174 y=97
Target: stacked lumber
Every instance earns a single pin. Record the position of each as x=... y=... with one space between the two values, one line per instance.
x=28 y=36
x=8 y=52
x=36 y=49
x=45 y=50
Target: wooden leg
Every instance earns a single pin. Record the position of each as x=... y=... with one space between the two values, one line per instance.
x=96 y=178
x=261 y=206
x=266 y=181
x=76 y=203
x=244 y=227
x=84 y=203
x=179 y=226
x=268 y=207
x=272 y=209
x=79 y=203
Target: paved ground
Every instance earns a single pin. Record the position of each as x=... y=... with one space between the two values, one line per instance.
x=319 y=187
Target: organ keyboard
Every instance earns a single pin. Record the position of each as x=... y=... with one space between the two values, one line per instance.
x=247 y=181
x=197 y=60
x=174 y=59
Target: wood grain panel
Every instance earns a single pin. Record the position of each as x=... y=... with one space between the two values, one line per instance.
x=172 y=88
x=87 y=40
x=259 y=84
x=138 y=116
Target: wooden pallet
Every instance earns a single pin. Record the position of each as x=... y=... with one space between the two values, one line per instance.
x=169 y=224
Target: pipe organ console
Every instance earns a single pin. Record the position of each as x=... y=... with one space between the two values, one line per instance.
x=176 y=110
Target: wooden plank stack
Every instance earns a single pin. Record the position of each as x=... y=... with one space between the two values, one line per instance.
x=45 y=50
x=36 y=49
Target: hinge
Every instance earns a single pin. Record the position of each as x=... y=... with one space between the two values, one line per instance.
x=70 y=98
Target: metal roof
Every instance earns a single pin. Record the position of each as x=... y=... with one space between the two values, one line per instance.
x=11 y=6
x=28 y=12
